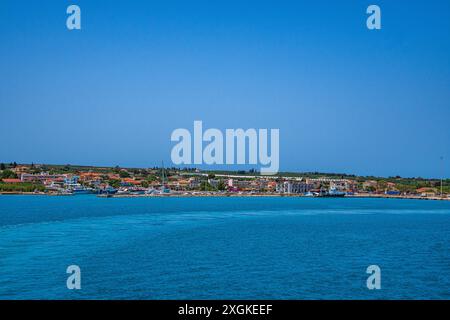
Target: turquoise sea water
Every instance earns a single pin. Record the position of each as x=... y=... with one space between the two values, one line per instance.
x=223 y=248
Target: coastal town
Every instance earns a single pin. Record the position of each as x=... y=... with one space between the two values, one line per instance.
x=159 y=181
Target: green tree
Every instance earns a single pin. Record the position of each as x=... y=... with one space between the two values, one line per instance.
x=20 y=187
x=124 y=174
x=8 y=174
x=2 y=166
x=221 y=186
x=205 y=186
x=114 y=183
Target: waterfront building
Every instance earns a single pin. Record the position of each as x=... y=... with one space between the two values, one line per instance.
x=20 y=169
x=42 y=177
x=71 y=180
x=427 y=192
x=294 y=187
x=90 y=176
x=243 y=185
x=194 y=183
x=271 y=186
x=214 y=183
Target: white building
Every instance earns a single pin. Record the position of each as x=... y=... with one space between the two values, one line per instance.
x=294 y=187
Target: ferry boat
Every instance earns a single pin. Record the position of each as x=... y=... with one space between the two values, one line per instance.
x=332 y=193
x=79 y=189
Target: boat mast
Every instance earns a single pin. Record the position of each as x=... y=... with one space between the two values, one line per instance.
x=442 y=174
x=162 y=174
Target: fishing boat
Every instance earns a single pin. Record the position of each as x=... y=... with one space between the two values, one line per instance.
x=107 y=190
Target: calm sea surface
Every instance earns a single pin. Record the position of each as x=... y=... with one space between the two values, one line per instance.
x=223 y=248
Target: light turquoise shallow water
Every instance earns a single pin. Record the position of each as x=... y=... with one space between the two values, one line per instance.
x=223 y=248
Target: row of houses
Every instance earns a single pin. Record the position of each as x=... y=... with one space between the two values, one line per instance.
x=195 y=181
x=95 y=179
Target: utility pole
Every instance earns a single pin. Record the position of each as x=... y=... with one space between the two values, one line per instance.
x=442 y=174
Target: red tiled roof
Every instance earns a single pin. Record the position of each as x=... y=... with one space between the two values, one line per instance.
x=12 y=180
x=131 y=181
x=425 y=189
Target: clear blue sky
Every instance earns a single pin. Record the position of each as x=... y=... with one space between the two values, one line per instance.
x=345 y=99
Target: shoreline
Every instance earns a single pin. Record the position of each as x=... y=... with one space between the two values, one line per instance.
x=274 y=195
x=14 y=193
x=226 y=195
